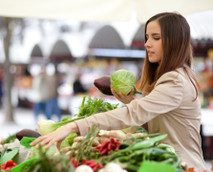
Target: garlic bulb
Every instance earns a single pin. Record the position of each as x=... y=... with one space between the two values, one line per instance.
x=83 y=168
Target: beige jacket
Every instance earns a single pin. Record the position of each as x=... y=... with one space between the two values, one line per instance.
x=170 y=109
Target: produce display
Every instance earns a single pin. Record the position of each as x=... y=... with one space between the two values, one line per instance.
x=127 y=150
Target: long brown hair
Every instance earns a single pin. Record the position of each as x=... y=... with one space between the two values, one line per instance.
x=177 y=51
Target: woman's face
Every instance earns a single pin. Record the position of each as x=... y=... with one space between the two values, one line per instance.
x=153 y=44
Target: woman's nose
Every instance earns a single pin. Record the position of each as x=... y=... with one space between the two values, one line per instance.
x=147 y=44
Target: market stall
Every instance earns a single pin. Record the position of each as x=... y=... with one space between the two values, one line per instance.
x=130 y=149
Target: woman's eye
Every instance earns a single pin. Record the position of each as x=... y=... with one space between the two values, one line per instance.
x=156 y=38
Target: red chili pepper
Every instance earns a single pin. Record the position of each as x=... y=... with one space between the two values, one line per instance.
x=104 y=152
x=100 y=165
x=109 y=146
x=93 y=164
x=89 y=162
x=95 y=168
x=9 y=163
x=8 y=168
x=105 y=143
x=75 y=163
x=117 y=147
x=3 y=165
x=98 y=147
x=112 y=140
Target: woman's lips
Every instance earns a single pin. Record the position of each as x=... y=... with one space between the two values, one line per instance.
x=150 y=53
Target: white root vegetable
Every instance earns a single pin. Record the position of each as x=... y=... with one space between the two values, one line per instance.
x=139 y=134
x=68 y=153
x=102 y=139
x=113 y=133
x=96 y=141
x=64 y=150
x=79 y=138
x=112 y=167
x=83 y=168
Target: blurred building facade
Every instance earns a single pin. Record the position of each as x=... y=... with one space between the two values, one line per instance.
x=95 y=49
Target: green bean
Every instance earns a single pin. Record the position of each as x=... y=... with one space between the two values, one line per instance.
x=148 y=143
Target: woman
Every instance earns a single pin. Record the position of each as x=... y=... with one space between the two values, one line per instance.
x=171 y=101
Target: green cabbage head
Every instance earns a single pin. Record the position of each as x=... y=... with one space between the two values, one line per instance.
x=122 y=81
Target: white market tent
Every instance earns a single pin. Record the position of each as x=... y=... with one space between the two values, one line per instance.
x=99 y=10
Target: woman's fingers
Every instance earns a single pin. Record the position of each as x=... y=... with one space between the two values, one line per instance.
x=121 y=95
x=58 y=145
x=42 y=140
x=56 y=136
x=39 y=139
x=132 y=92
x=45 y=141
x=50 y=143
x=124 y=99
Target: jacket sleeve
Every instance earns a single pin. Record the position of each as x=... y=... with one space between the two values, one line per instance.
x=166 y=96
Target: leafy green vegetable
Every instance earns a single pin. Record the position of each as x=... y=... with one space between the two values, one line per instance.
x=148 y=143
x=123 y=81
x=9 y=139
x=88 y=107
x=150 y=166
x=25 y=166
x=25 y=141
x=8 y=156
x=167 y=147
x=68 y=141
x=91 y=106
x=45 y=163
x=35 y=153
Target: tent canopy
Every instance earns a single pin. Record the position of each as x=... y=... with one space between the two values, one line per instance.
x=99 y=10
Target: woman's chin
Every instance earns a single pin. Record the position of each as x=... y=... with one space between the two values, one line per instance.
x=153 y=60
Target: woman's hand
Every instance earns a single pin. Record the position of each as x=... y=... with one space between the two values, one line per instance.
x=57 y=136
x=124 y=99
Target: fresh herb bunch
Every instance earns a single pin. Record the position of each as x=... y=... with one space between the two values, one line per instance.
x=92 y=106
x=88 y=107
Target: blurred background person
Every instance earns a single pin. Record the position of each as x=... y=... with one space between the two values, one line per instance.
x=39 y=91
x=77 y=85
x=79 y=91
x=52 y=83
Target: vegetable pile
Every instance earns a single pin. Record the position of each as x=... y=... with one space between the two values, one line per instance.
x=98 y=149
x=127 y=150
